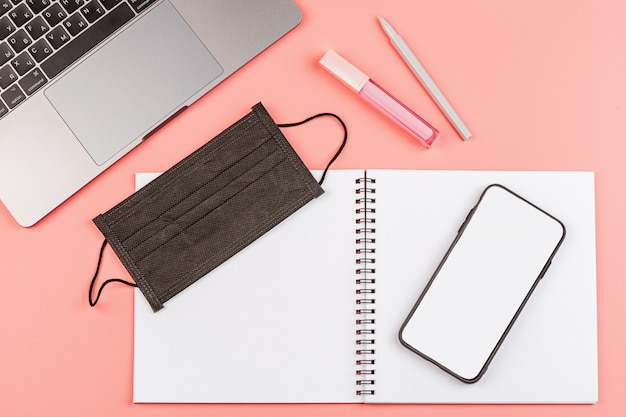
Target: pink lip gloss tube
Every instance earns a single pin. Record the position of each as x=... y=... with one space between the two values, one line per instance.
x=374 y=94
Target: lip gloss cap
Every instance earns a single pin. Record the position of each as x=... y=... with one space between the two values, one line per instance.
x=343 y=70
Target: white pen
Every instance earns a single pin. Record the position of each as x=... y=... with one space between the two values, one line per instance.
x=421 y=74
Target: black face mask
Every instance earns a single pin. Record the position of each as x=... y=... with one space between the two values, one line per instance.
x=208 y=207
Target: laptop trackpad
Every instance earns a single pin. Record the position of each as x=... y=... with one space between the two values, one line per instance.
x=138 y=78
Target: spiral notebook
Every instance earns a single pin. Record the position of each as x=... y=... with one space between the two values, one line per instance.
x=310 y=312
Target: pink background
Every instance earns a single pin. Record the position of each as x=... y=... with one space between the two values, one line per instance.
x=541 y=85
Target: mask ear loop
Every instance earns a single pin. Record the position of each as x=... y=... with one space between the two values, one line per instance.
x=343 y=143
x=93 y=302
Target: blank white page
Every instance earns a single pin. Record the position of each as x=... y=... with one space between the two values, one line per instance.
x=550 y=354
x=275 y=323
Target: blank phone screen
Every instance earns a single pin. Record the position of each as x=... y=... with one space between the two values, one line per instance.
x=492 y=266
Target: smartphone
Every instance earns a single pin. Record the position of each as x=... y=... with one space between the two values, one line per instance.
x=500 y=253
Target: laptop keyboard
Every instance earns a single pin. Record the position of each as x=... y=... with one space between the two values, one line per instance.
x=41 y=38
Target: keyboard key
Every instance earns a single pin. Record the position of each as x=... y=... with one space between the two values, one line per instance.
x=6 y=27
x=140 y=5
x=19 y=40
x=37 y=27
x=92 y=11
x=37 y=6
x=54 y=14
x=58 y=37
x=71 y=5
x=40 y=50
x=20 y=15
x=23 y=63
x=109 y=4
x=32 y=81
x=5 y=6
x=3 y=109
x=13 y=96
x=6 y=53
x=90 y=38
x=7 y=76
x=75 y=24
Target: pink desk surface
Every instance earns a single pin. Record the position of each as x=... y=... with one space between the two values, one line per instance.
x=542 y=86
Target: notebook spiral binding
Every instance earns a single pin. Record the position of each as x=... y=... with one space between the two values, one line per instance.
x=365 y=285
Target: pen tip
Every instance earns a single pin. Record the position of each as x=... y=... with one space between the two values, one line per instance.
x=386 y=26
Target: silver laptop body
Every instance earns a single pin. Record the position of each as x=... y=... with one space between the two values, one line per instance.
x=68 y=122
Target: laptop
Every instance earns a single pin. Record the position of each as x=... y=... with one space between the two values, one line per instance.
x=82 y=82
